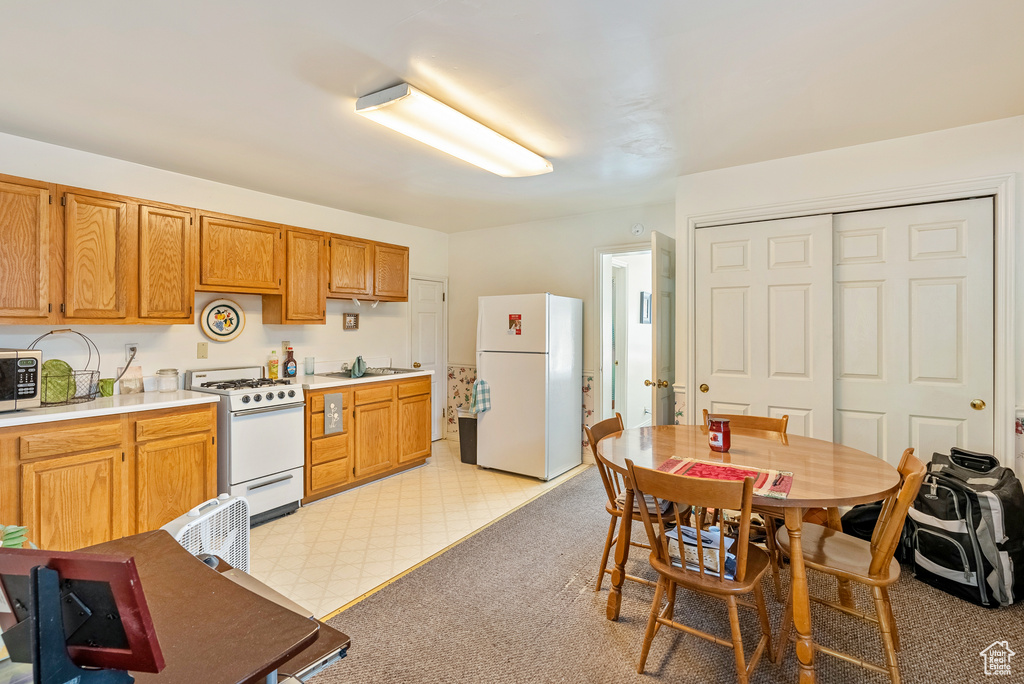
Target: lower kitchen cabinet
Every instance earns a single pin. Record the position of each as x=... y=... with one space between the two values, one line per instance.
x=172 y=475
x=73 y=501
x=386 y=430
x=80 y=482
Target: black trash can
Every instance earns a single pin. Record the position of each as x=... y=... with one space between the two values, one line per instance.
x=467 y=437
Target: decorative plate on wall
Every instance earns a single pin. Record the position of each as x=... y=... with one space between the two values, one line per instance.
x=222 y=320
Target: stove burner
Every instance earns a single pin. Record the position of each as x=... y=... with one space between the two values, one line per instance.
x=244 y=383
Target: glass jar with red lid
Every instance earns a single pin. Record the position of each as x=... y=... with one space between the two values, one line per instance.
x=719 y=437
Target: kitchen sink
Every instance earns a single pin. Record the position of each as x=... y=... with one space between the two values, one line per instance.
x=371 y=372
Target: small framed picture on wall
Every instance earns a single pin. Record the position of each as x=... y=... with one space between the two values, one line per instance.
x=645 y=307
x=351 y=321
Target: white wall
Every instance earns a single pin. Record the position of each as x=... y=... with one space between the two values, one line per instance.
x=383 y=332
x=969 y=152
x=554 y=256
x=639 y=341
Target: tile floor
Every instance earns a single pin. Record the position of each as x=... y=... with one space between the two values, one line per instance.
x=334 y=550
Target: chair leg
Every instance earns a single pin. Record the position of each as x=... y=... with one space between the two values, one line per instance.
x=607 y=549
x=671 y=610
x=773 y=555
x=892 y=620
x=885 y=628
x=737 y=640
x=766 y=627
x=652 y=622
x=787 y=624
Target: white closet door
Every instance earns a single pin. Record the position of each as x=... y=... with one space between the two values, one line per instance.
x=914 y=329
x=764 y=321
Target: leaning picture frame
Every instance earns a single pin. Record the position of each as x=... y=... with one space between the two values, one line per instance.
x=351 y=321
x=645 y=307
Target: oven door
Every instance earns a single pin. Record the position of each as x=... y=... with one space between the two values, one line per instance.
x=264 y=441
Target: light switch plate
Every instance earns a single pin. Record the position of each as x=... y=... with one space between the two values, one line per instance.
x=203 y=350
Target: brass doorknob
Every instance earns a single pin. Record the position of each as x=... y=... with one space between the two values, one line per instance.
x=647 y=383
x=663 y=383
x=704 y=388
x=416 y=365
x=977 y=404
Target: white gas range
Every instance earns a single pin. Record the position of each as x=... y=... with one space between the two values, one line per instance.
x=261 y=450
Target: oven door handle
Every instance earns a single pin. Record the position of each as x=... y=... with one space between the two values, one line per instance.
x=268 y=483
x=266 y=409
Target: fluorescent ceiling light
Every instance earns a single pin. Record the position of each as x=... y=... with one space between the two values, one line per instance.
x=417 y=115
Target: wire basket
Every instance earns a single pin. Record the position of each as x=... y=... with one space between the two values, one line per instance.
x=73 y=386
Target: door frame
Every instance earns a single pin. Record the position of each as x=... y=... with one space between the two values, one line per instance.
x=444 y=348
x=1000 y=187
x=599 y=319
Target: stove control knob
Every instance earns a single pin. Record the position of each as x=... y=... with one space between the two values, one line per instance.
x=257 y=397
x=270 y=395
x=245 y=399
x=280 y=395
x=291 y=393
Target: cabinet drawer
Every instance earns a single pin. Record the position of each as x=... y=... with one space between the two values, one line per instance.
x=329 y=449
x=414 y=387
x=316 y=403
x=372 y=394
x=70 y=440
x=172 y=425
x=330 y=474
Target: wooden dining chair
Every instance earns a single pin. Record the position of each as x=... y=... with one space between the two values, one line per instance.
x=614 y=487
x=776 y=426
x=869 y=562
x=740 y=421
x=705 y=571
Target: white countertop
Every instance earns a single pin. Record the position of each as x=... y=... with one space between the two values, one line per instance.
x=107 y=406
x=311 y=382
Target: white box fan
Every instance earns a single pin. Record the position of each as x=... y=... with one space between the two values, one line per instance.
x=219 y=527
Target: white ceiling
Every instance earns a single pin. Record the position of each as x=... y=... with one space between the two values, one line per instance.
x=622 y=97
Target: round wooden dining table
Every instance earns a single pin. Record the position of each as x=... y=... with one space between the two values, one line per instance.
x=825 y=475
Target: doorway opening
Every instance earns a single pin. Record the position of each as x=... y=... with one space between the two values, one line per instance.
x=626 y=340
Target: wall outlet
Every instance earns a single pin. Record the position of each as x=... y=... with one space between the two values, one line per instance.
x=129 y=349
x=203 y=350
x=284 y=350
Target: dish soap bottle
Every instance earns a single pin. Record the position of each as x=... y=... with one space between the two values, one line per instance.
x=272 y=365
x=290 y=366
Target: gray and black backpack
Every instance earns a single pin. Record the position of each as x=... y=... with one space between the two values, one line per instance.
x=967 y=529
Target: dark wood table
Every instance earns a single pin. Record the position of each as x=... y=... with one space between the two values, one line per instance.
x=825 y=475
x=210 y=629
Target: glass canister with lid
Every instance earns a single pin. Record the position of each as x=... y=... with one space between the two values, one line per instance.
x=167 y=380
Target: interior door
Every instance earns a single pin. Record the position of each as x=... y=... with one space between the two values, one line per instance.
x=428 y=343
x=763 y=327
x=914 y=328
x=663 y=309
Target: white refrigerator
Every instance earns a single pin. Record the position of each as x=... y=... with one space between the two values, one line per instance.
x=529 y=350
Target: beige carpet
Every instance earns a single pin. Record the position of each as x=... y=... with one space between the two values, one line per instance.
x=516 y=603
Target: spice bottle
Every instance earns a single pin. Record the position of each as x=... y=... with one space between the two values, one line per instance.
x=272 y=365
x=290 y=366
x=719 y=437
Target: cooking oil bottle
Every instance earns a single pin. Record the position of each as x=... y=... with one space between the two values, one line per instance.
x=272 y=365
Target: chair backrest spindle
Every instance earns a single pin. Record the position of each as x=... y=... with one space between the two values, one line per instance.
x=609 y=477
x=886 y=534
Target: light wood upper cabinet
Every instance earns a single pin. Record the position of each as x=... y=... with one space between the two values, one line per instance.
x=391 y=272
x=74 y=501
x=25 y=245
x=304 y=299
x=96 y=256
x=239 y=256
x=351 y=272
x=166 y=263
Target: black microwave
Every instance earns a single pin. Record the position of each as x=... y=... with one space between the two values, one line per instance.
x=20 y=377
